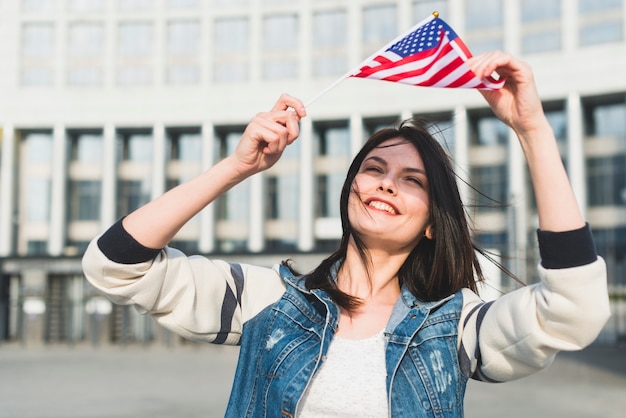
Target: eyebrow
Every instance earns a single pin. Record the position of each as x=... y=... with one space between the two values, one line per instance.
x=381 y=160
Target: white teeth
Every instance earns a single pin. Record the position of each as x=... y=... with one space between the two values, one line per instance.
x=382 y=206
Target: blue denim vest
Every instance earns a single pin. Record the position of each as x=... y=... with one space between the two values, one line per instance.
x=283 y=346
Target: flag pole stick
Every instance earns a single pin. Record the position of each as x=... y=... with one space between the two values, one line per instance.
x=355 y=69
x=327 y=89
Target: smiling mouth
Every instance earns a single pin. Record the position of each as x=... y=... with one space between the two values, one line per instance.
x=377 y=204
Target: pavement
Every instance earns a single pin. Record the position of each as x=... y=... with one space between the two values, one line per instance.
x=194 y=380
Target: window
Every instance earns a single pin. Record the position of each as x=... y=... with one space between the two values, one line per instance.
x=183 y=4
x=86 y=40
x=606 y=180
x=601 y=21
x=37 y=199
x=541 y=25
x=183 y=46
x=489 y=131
x=329 y=43
x=332 y=150
x=86 y=5
x=135 y=53
x=491 y=182
x=484 y=25
x=85 y=51
x=135 y=5
x=132 y=194
x=379 y=26
x=84 y=200
x=231 y=46
x=134 y=145
x=135 y=39
x=424 y=8
x=280 y=42
x=86 y=146
x=611 y=245
x=232 y=208
x=38 y=147
x=36 y=6
x=184 y=154
x=38 y=40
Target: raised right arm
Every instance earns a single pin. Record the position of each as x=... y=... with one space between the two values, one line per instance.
x=261 y=145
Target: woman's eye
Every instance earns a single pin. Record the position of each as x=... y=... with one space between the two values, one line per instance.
x=414 y=180
x=374 y=168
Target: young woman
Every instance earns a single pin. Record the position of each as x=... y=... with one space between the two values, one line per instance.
x=390 y=324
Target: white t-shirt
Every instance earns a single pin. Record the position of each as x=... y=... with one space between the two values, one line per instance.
x=351 y=381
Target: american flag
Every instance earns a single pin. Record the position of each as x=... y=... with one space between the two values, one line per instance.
x=431 y=54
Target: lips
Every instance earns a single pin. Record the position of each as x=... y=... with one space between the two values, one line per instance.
x=382 y=206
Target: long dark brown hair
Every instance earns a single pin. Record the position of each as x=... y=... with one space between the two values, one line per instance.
x=436 y=267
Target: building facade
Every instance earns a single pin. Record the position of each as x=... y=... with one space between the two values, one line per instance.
x=106 y=104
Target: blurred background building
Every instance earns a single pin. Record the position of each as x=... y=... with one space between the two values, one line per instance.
x=105 y=104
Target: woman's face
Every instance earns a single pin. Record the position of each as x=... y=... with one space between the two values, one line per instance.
x=388 y=207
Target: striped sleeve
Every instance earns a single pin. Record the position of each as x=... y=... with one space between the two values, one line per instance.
x=197 y=298
x=519 y=333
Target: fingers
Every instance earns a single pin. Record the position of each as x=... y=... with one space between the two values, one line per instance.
x=286 y=101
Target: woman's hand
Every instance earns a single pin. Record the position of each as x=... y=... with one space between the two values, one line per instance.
x=517 y=103
x=267 y=135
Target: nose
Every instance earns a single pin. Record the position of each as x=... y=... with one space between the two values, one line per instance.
x=387 y=185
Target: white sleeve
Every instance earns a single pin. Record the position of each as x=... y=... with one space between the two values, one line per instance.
x=521 y=332
x=197 y=298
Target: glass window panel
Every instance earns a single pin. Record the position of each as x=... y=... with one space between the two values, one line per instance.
x=537 y=10
x=606 y=180
x=234 y=205
x=275 y=70
x=39 y=5
x=608 y=120
x=231 y=71
x=558 y=121
x=38 y=200
x=86 y=147
x=84 y=200
x=134 y=76
x=86 y=5
x=183 y=4
x=38 y=147
x=585 y=6
x=329 y=28
x=38 y=40
x=231 y=35
x=134 y=146
x=601 y=33
x=490 y=131
x=86 y=39
x=424 y=8
x=135 y=39
x=280 y=32
x=84 y=76
x=183 y=37
x=541 y=42
x=36 y=77
x=491 y=183
x=380 y=24
x=481 y=14
x=331 y=142
x=135 y=5
x=183 y=74
x=132 y=194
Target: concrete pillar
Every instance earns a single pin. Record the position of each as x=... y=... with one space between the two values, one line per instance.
x=56 y=240
x=576 y=150
x=256 y=214
x=206 y=240
x=356 y=134
x=517 y=228
x=461 y=151
x=109 y=177
x=158 y=160
x=306 y=239
x=7 y=189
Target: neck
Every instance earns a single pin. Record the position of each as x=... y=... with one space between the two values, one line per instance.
x=376 y=282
